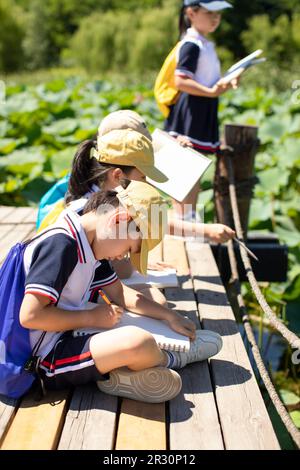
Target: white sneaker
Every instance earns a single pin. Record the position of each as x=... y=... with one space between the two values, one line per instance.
x=207 y=344
x=153 y=385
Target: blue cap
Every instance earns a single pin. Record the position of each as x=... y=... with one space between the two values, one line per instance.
x=211 y=5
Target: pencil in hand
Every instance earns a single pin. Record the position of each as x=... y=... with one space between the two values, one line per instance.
x=106 y=299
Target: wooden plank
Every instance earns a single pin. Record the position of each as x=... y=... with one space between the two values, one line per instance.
x=155 y=255
x=16 y=234
x=5 y=211
x=91 y=420
x=141 y=424
x=20 y=215
x=243 y=415
x=31 y=217
x=193 y=414
x=7 y=413
x=5 y=232
x=37 y=424
x=136 y=418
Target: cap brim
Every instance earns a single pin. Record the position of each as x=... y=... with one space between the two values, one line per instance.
x=140 y=260
x=153 y=173
x=215 y=6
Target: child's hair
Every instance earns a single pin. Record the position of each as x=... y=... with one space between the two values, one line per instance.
x=86 y=171
x=102 y=198
x=184 y=22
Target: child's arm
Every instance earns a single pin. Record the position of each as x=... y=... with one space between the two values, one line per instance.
x=217 y=233
x=136 y=302
x=190 y=86
x=37 y=313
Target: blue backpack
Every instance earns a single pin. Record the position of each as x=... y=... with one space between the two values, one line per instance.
x=18 y=362
x=15 y=347
x=51 y=197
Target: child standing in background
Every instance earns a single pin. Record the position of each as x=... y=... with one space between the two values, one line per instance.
x=194 y=117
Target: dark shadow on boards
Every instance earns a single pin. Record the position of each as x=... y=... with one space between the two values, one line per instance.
x=225 y=327
x=196 y=380
x=210 y=279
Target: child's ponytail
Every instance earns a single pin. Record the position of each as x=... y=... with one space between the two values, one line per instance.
x=83 y=172
x=184 y=21
x=88 y=171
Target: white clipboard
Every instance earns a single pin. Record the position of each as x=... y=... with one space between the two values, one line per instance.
x=182 y=165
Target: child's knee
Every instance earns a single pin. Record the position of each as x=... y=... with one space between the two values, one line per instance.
x=139 y=341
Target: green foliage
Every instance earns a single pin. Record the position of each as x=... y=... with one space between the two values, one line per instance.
x=51 y=25
x=134 y=42
x=99 y=49
x=151 y=41
x=11 y=36
x=150 y=28
x=280 y=48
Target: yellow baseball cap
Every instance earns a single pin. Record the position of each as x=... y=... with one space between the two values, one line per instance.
x=130 y=148
x=149 y=212
x=124 y=119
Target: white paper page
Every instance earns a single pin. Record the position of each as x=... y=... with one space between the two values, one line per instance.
x=236 y=70
x=243 y=62
x=182 y=165
x=165 y=337
x=160 y=279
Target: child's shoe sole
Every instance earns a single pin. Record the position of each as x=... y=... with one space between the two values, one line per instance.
x=154 y=385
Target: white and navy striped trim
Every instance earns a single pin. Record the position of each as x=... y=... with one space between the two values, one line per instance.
x=104 y=282
x=181 y=73
x=198 y=143
x=75 y=233
x=45 y=291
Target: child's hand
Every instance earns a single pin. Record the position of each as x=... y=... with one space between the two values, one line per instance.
x=218 y=233
x=106 y=316
x=182 y=325
x=235 y=83
x=184 y=141
x=219 y=88
x=160 y=266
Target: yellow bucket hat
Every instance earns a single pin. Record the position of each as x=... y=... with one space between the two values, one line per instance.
x=130 y=148
x=149 y=212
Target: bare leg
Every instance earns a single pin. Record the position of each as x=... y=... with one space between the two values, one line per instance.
x=136 y=366
x=128 y=346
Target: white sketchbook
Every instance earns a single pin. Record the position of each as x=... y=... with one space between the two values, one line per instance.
x=165 y=337
x=160 y=279
x=182 y=165
x=239 y=67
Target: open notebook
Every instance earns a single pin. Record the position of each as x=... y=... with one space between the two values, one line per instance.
x=182 y=165
x=239 y=67
x=160 y=279
x=165 y=337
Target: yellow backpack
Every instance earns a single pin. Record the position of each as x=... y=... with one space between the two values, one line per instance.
x=53 y=215
x=164 y=89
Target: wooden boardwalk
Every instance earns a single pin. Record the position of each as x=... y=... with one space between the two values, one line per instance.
x=220 y=406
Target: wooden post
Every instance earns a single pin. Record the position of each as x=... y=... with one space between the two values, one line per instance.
x=241 y=145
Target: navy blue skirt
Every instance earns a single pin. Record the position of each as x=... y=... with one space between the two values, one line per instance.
x=195 y=117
